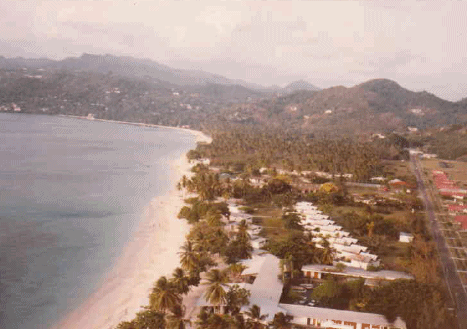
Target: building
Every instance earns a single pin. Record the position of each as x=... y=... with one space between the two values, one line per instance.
x=455 y=209
x=397 y=183
x=405 y=237
x=462 y=220
x=319 y=317
x=318 y=271
x=266 y=289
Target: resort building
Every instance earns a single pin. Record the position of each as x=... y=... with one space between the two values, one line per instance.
x=318 y=317
x=263 y=270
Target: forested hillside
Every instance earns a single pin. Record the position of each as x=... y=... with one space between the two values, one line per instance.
x=374 y=106
x=125 y=88
x=111 y=96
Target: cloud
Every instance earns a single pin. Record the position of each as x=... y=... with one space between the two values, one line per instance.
x=267 y=42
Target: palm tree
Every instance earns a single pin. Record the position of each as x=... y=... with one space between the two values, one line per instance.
x=235 y=298
x=235 y=271
x=180 y=281
x=216 y=294
x=218 y=321
x=281 y=321
x=202 y=319
x=176 y=318
x=238 y=322
x=327 y=252
x=189 y=257
x=164 y=295
x=255 y=318
x=149 y=319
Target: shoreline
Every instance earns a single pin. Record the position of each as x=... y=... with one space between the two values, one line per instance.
x=150 y=253
x=200 y=137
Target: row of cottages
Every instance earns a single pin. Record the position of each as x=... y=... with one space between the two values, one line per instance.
x=348 y=251
x=263 y=271
x=446 y=186
x=372 y=278
x=449 y=188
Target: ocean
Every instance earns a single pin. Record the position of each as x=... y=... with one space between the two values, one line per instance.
x=71 y=194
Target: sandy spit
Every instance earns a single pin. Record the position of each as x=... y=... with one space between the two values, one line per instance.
x=151 y=253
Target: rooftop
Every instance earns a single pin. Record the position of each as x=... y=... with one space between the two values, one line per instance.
x=333 y=314
x=357 y=272
x=266 y=290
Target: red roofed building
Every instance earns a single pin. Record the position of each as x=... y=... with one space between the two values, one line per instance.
x=455 y=208
x=457 y=195
x=462 y=219
x=442 y=181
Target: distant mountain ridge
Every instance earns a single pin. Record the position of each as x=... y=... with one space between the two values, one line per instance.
x=144 y=68
x=299 y=85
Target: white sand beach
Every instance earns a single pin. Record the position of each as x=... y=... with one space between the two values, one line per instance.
x=151 y=253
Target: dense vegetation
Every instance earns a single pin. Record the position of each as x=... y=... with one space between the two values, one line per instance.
x=374 y=106
x=249 y=149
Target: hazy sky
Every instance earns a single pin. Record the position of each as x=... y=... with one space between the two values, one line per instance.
x=421 y=45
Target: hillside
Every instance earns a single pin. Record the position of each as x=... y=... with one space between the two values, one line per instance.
x=374 y=106
x=449 y=142
x=152 y=92
x=111 y=96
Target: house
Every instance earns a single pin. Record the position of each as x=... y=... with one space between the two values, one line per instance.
x=397 y=183
x=462 y=220
x=455 y=209
x=405 y=237
x=458 y=195
x=319 y=317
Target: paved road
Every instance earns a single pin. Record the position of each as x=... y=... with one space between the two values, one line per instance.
x=450 y=274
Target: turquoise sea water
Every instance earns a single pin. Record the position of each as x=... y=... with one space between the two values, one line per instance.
x=71 y=194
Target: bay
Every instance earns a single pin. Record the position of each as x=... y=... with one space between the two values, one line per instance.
x=71 y=194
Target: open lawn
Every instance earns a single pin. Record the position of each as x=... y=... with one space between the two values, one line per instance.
x=463 y=236
x=397 y=168
x=393 y=256
x=461 y=264
x=274 y=228
x=459 y=253
x=463 y=277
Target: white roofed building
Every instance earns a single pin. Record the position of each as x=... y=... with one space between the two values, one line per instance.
x=318 y=317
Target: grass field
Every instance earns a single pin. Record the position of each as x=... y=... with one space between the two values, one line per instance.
x=397 y=168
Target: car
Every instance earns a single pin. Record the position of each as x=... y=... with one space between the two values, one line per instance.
x=307 y=285
x=311 y=303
